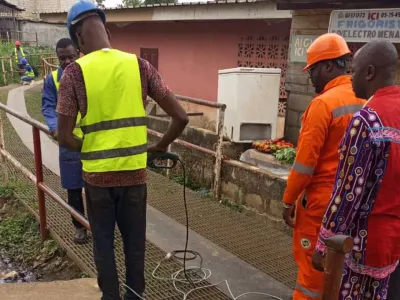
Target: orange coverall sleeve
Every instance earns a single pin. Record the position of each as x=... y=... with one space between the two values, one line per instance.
x=314 y=131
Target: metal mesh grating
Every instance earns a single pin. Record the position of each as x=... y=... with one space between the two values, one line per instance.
x=248 y=237
x=62 y=230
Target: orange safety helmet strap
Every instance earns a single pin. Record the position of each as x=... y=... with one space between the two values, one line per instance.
x=325 y=47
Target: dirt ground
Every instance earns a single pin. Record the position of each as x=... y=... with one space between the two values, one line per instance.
x=45 y=266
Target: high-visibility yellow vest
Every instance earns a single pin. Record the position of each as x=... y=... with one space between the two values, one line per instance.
x=29 y=73
x=115 y=131
x=77 y=131
x=16 y=54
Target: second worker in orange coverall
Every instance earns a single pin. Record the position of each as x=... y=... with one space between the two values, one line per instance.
x=311 y=179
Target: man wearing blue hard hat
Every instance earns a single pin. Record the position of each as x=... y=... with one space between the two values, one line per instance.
x=108 y=88
x=29 y=76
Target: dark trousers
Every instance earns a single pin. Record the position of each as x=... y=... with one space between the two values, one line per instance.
x=75 y=199
x=125 y=206
x=394 y=285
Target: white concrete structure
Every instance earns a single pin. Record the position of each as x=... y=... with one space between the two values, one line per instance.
x=34 y=7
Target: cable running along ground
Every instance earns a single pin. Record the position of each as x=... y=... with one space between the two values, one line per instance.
x=192 y=274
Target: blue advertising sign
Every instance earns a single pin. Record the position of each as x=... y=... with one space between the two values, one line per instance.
x=366 y=25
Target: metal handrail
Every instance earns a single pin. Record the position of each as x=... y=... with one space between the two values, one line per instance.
x=34 y=123
x=218 y=151
x=200 y=102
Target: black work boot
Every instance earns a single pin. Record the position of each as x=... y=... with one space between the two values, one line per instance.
x=80 y=237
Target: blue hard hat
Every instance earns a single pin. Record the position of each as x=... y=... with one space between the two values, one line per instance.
x=24 y=61
x=77 y=12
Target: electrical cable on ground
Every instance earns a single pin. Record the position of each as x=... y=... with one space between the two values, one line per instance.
x=193 y=275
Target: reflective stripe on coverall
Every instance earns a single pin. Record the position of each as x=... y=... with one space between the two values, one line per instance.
x=311 y=179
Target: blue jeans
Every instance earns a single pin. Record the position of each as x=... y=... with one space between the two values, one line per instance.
x=27 y=78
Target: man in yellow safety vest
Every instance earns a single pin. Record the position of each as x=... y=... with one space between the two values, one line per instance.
x=18 y=54
x=70 y=162
x=109 y=88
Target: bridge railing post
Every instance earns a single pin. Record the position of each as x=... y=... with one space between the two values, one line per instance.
x=338 y=247
x=219 y=154
x=3 y=159
x=37 y=149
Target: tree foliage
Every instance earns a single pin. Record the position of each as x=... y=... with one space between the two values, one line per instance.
x=136 y=3
x=131 y=3
x=100 y=3
x=159 y=1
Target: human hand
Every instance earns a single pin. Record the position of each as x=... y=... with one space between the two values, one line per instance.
x=318 y=261
x=288 y=215
x=157 y=148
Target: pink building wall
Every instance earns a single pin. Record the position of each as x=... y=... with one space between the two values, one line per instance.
x=191 y=53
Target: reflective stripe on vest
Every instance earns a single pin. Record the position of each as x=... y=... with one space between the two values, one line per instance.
x=30 y=73
x=346 y=109
x=115 y=131
x=16 y=54
x=303 y=169
x=77 y=131
x=307 y=292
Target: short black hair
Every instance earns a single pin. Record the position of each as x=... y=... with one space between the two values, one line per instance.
x=64 y=43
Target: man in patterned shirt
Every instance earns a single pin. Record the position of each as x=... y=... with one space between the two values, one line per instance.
x=109 y=88
x=365 y=203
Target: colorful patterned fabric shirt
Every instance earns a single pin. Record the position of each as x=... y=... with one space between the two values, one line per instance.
x=364 y=154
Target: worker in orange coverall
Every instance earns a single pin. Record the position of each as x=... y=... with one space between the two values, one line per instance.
x=311 y=179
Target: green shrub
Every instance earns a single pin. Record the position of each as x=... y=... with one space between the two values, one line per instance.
x=7 y=48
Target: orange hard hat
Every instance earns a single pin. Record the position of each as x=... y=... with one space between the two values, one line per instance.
x=17 y=43
x=326 y=46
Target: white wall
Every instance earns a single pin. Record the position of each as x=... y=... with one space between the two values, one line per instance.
x=48 y=34
x=34 y=7
x=53 y=5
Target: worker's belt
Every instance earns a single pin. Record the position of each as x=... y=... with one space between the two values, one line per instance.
x=113 y=153
x=114 y=124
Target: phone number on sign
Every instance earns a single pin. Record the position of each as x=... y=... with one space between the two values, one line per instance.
x=369 y=15
x=390 y=15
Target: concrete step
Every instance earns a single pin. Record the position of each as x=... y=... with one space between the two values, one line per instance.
x=81 y=289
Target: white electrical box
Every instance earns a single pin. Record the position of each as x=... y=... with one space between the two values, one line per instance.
x=251 y=96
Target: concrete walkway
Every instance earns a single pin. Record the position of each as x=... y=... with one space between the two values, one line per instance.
x=82 y=289
x=162 y=230
x=16 y=101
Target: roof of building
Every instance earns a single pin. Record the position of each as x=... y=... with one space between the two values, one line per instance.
x=220 y=2
x=10 y=5
x=335 y=4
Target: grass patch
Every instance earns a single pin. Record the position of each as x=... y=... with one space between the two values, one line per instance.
x=190 y=182
x=19 y=233
x=33 y=101
x=3 y=97
x=205 y=192
x=7 y=48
